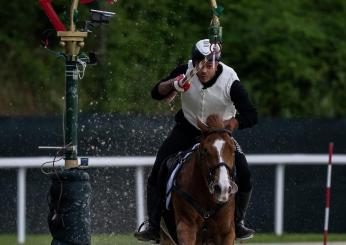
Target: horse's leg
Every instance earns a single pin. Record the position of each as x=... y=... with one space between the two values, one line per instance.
x=186 y=232
x=228 y=239
x=164 y=239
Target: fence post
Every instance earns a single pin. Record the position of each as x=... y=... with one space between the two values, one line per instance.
x=140 y=195
x=279 y=199
x=21 y=185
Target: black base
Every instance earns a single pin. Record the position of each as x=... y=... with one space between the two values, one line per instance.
x=69 y=208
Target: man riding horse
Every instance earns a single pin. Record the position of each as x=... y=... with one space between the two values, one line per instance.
x=214 y=89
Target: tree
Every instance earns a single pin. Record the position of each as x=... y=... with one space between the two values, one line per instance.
x=289 y=55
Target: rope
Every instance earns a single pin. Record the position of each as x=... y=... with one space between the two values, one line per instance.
x=81 y=66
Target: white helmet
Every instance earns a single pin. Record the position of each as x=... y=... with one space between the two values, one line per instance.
x=203 y=48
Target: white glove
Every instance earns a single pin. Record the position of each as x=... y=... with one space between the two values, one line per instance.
x=180 y=85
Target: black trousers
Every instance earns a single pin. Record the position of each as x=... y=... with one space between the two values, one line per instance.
x=181 y=138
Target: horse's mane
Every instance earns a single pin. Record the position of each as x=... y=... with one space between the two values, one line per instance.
x=214 y=121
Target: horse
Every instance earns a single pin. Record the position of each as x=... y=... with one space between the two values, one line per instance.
x=203 y=195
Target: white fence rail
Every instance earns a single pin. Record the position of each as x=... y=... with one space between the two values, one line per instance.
x=279 y=160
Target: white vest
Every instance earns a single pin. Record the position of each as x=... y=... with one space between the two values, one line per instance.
x=199 y=102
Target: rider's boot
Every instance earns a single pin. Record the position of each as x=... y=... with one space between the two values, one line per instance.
x=152 y=230
x=242 y=202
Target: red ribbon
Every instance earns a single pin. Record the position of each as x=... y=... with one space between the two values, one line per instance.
x=52 y=16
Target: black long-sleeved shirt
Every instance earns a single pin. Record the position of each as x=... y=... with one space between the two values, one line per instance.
x=246 y=112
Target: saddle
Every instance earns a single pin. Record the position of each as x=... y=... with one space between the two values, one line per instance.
x=173 y=165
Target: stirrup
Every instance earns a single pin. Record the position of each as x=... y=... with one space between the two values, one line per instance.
x=147 y=234
x=145 y=222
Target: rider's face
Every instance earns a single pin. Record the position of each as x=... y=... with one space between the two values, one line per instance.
x=208 y=71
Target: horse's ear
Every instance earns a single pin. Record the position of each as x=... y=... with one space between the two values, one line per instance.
x=201 y=125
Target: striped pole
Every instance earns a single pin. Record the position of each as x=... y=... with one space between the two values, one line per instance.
x=329 y=180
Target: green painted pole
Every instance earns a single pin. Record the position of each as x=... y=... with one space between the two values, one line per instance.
x=69 y=216
x=71 y=118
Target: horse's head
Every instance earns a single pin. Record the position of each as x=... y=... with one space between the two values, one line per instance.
x=216 y=152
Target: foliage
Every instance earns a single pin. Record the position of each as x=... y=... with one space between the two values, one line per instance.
x=290 y=55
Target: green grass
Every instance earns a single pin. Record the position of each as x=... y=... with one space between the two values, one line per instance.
x=296 y=237
x=11 y=239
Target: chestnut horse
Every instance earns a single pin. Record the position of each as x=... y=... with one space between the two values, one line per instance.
x=203 y=196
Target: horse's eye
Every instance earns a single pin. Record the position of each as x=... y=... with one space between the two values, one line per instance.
x=204 y=152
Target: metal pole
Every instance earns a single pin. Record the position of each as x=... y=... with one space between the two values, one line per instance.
x=140 y=195
x=21 y=185
x=71 y=119
x=72 y=40
x=279 y=199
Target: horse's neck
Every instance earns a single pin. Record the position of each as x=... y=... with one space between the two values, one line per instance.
x=193 y=182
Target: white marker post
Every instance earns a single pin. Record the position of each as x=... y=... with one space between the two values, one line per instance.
x=329 y=180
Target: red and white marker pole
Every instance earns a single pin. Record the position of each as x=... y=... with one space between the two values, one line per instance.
x=328 y=185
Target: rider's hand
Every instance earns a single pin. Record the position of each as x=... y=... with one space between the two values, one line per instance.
x=179 y=85
x=231 y=124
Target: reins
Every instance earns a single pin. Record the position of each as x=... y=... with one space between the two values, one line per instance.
x=204 y=213
x=212 y=130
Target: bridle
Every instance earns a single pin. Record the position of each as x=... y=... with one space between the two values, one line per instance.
x=231 y=172
x=210 y=179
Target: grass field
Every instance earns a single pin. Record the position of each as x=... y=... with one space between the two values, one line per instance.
x=11 y=239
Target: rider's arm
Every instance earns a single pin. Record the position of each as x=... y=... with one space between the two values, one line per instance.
x=246 y=112
x=165 y=86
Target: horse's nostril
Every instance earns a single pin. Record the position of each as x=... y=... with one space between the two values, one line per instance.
x=217 y=189
x=230 y=189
